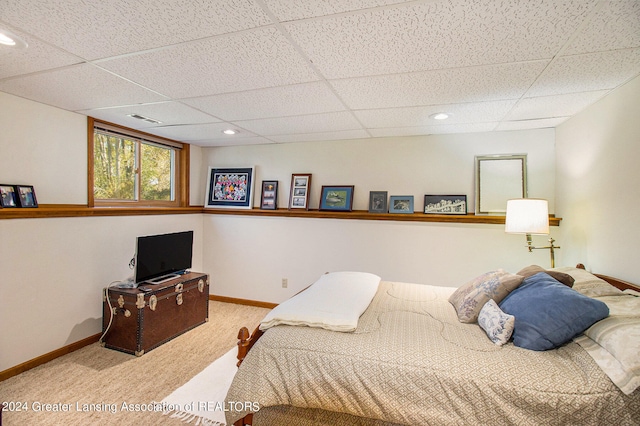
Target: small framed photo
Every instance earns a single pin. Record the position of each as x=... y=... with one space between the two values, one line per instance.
x=299 y=194
x=269 y=200
x=230 y=188
x=445 y=204
x=26 y=196
x=336 y=198
x=401 y=204
x=378 y=202
x=8 y=196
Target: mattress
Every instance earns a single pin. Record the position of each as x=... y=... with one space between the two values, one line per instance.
x=410 y=361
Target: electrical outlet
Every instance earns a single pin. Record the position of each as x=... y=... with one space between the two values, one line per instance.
x=285 y=283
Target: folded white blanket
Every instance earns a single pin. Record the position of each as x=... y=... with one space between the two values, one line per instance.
x=334 y=302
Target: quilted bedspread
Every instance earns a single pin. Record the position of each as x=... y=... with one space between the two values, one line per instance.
x=410 y=361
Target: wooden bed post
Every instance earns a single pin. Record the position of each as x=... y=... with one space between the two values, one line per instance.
x=246 y=342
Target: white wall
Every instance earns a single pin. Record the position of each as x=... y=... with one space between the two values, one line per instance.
x=45 y=147
x=53 y=270
x=598 y=174
x=249 y=256
x=437 y=164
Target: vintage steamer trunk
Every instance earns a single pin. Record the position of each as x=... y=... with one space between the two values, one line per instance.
x=145 y=320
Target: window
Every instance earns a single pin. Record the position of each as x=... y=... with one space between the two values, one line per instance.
x=131 y=168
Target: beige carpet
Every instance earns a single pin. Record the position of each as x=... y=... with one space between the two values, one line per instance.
x=95 y=378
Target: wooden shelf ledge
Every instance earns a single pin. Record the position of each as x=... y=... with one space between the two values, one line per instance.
x=73 y=210
x=365 y=215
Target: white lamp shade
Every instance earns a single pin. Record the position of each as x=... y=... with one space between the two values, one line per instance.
x=527 y=216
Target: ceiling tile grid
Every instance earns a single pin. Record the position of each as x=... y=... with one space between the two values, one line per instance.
x=422 y=115
x=530 y=124
x=321 y=136
x=168 y=113
x=292 y=10
x=437 y=35
x=295 y=99
x=98 y=29
x=615 y=25
x=475 y=84
x=194 y=132
x=244 y=61
x=554 y=106
x=314 y=123
x=78 y=87
x=434 y=130
x=587 y=72
x=286 y=71
x=38 y=57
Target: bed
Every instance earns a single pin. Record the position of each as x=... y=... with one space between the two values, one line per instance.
x=411 y=360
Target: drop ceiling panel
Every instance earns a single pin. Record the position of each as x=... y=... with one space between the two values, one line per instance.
x=437 y=35
x=554 y=106
x=329 y=122
x=321 y=136
x=435 y=129
x=37 y=57
x=420 y=116
x=299 y=99
x=168 y=113
x=531 y=124
x=78 y=87
x=244 y=61
x=616 y=25
x=194 y=132
x=588 y=72
x=232 y=141
x=289 y=10
x=488 y=83
x=98 y=29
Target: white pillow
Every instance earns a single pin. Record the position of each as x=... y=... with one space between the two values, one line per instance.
x=497 y=324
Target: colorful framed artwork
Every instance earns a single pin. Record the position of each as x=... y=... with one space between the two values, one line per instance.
x=336 y=198
x=378 y=202
x=8 y=196
x=26 y=196
x=401 y=204
x=299 y=194
x=445 y=204
x=269 y=200
x=230 y=188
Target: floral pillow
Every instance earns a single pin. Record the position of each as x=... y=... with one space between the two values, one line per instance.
x=497 y=324
x=469 y=299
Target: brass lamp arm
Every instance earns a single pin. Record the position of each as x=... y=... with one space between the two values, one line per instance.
x=551 y=247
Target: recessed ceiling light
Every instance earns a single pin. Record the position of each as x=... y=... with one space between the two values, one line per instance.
x=439 y=116
x=8 y=38
x=229 y=132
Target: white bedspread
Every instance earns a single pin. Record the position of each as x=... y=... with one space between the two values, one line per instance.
x=334 y=302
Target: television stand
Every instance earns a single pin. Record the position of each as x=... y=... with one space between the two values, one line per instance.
x=135 y=320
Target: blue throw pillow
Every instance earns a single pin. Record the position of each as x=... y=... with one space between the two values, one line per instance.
x=549 y=314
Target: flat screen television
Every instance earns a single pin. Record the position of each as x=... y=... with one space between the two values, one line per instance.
x=160 y=257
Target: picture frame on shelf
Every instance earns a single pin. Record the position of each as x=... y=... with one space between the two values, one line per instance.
x=26 y=195
x=401 y=204
x=269 y=199
x=378 y=202
x=8 y=196
x=445 y=204
x=336 y=198
x=230 y=187
x=299 y=193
